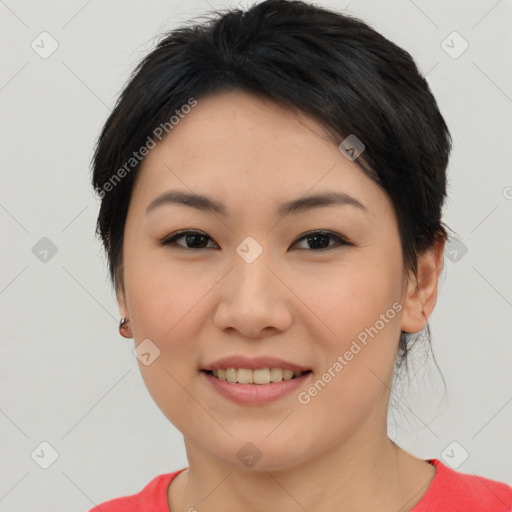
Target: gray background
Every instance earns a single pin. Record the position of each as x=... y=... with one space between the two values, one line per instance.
x=69 y=379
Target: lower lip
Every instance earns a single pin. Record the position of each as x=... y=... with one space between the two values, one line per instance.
x=255 y=393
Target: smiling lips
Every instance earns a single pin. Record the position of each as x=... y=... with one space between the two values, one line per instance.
x=245 y=392
x=260 y=370
x=260 y=376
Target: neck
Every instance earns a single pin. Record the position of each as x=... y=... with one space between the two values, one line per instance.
x=352 y=476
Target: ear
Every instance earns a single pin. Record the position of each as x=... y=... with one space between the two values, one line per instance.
x=121 y=302
x=421 y=294
x=121 y=297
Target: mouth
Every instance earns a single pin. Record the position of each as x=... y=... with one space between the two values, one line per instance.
x=260 y=376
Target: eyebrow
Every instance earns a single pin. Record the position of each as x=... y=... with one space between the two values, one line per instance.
x=204 y=203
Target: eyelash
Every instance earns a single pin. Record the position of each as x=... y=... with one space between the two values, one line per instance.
x=171 y=240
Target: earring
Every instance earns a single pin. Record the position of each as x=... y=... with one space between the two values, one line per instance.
x=124 y=330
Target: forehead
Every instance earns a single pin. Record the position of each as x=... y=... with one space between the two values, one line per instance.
x=237 y=147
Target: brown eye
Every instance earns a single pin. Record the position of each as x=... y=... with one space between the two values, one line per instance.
x=193 y=240
x=320 y=240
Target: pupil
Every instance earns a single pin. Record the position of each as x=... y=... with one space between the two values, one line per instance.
x=192 y=237
x=316 y=237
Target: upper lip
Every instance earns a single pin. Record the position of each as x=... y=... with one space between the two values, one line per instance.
x=254 y=363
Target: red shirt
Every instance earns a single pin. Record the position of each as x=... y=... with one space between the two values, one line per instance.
x=449 y=491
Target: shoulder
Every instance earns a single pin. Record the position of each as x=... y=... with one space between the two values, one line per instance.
x=153 y=495
x=453 y=490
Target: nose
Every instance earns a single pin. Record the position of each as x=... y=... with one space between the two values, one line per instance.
x=255 y=300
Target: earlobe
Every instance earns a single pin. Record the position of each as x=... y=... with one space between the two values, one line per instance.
x=124 y=329
x=421 y=294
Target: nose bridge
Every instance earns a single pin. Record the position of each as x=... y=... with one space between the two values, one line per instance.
x=251 y=300
x=251 y=264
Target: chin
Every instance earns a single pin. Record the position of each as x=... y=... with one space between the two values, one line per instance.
x=263 y=454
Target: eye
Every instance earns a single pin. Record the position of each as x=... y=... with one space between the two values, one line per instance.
x=320 y=238
x=194 y=238
x=197 y=240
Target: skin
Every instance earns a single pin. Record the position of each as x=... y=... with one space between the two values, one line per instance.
x=295 y=301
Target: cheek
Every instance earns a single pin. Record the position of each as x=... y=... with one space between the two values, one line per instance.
x=166 y=305
x=360 y=322
x=348 y=299
x=167 y=385
x=163 y=290
x=168 y=309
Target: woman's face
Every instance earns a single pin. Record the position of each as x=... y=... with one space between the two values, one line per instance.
x=249 y=284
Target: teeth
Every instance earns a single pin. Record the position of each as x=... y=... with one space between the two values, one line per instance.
x=261 y=376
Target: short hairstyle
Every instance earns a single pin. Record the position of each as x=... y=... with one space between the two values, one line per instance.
x=330 y=66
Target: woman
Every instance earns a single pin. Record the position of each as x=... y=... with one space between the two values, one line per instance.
x=272 y=184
